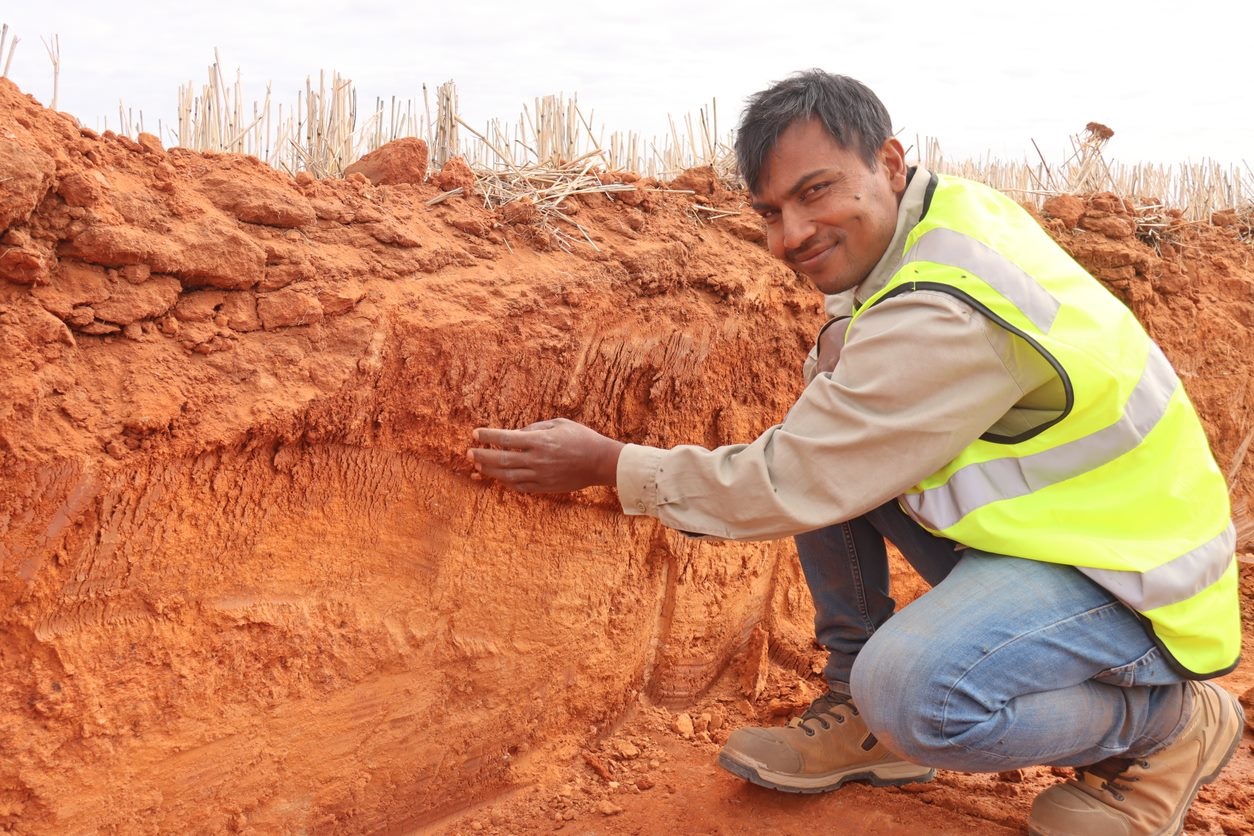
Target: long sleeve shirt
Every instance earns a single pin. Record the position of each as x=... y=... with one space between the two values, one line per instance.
x=921 y=375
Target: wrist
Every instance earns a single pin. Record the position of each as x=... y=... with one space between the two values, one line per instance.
x=607 y=464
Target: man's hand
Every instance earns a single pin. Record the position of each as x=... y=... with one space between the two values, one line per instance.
x=552 y=456
x=830 y=342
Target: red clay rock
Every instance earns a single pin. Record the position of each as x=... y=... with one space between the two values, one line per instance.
x=240 y=311
x=257 y=200
x=26 y=175
x=632 y=197
x=456 y=174
x=211 y=254
x=280 y=275
x=700 y=180
x=79 y=188
x=1065 y=207
x=341 y=297
x=744 y=226
x=1107 y=202
x=151 y=143
x=128 y=303
x=286 y=308
x=1224 y=217
x=136 y=273
x=20 y=265
x=199 y=305
x=1112 y=226
x=74 y=284
x=400 y=161
x=46 y=327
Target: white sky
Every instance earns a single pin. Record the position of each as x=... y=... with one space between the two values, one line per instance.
x=1172 y=78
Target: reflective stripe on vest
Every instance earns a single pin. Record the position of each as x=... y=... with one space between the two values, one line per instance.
x=984 y=482
x=1174 y=581
x=945 y=246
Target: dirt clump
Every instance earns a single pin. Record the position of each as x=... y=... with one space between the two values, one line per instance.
x=401 y=161
x=247 y=580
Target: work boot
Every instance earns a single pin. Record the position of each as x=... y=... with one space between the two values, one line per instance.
x=1147 y=795
x=820 y=750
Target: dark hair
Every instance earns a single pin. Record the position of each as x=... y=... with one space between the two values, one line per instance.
x=852 y=114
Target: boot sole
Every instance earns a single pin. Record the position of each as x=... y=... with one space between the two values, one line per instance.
x=1176 y=826
x=882 y=775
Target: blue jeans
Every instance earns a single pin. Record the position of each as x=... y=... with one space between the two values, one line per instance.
x=1004 y=663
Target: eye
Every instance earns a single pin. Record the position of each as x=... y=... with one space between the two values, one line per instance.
x=814 y=190
x=768 y=215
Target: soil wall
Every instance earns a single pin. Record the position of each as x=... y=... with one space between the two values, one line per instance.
x=246 y=578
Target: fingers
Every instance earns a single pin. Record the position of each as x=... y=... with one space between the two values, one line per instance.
x=492 y=464
x=522 y=439
x=513 y=439
x=519 y=459
x=512 y=467
x=497 y=459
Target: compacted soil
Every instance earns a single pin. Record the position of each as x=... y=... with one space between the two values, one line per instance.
x=248 y=584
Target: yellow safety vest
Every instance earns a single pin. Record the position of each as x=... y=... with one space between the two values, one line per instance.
x=1121 y=484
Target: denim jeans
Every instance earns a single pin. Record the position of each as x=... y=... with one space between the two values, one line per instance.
x=1004 y=663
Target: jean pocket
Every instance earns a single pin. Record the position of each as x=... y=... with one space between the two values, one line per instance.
x=1150 y=669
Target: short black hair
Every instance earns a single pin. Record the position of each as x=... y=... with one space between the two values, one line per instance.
x=850 y=112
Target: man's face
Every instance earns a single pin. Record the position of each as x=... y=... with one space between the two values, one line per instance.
x=828 y=215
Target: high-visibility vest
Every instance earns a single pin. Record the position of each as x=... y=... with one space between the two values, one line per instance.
x=1121 y=484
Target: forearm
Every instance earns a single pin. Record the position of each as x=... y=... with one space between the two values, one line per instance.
x=876 y=425
x=780 y=485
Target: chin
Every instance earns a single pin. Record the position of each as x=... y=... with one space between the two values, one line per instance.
x=831 y=284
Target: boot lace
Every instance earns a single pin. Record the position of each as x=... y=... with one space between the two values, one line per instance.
x=1112 y=774
x=821 y=712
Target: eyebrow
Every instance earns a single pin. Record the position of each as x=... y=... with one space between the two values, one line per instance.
x=802 y=182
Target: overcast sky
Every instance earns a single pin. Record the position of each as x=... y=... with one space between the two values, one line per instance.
x=1171 y=78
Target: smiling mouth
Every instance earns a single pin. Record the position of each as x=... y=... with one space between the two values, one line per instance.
x=813 y=260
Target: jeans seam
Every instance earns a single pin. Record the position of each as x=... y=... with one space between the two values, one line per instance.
x=851 y=544
x=944 y=707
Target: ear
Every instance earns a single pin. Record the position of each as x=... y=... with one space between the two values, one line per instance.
x=893 y=157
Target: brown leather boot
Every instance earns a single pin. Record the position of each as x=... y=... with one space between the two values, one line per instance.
x=820 y=750
x=1147 y=795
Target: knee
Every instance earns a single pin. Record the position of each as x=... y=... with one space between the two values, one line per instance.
x=927 y=706
x=900 y=694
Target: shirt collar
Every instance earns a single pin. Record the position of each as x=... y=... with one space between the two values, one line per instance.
x=909 y=213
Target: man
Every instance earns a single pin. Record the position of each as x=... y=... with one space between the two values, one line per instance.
x=989 y=408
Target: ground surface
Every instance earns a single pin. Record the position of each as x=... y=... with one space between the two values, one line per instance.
x=647 y=776
x=247 y=582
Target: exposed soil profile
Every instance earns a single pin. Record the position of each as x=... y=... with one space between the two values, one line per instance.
x=248 y=584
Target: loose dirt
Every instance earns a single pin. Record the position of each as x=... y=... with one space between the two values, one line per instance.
x=248 y=584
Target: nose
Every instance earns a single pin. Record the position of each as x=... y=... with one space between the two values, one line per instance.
x=797 y=227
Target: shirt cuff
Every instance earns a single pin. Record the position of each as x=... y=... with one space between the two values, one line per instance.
x=637 y=479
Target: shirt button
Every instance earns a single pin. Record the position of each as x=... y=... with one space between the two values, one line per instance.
x=640 y=506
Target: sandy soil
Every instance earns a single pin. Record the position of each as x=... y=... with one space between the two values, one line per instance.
x=248 y=584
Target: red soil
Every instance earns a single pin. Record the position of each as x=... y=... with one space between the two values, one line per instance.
x=246 y=580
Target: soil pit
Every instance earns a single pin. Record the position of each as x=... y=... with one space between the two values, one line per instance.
x=247 y=582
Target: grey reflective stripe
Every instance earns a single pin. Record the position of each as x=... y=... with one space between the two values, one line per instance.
x=981 y=483
x=944 y=246
x=1174 y=581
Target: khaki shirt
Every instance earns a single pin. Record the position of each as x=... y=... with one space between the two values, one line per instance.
x=920 y=377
